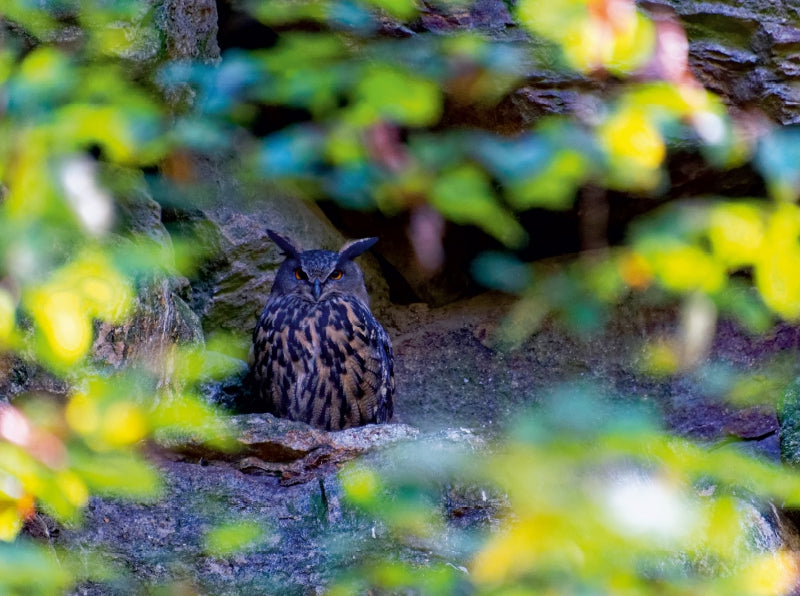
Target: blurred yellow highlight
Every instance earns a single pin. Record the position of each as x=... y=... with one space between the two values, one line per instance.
x=63 y=321
x=73 y=488
x=684 y=267
x=593 y=34
x=635 y=270
x=44 y=66
x=778 y=262
x=736 y=232
x=124 y=423
x=635 y=147
x=64 y=308
x=7 y=316
x=772 y=574
x=82 y=414
x=360 y=484
x=10 y=521
x=778 y=282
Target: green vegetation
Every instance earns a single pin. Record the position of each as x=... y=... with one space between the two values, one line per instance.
x=92 y=77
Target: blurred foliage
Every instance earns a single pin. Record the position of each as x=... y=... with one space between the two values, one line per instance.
x=67 y=91
x=594 y=500
x=234 y=537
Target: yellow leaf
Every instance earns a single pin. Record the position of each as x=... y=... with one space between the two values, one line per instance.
x=10 y=522
x=736 y=232
x=73 y=488
x=772 y=574
x=683 y=268
x=64 y=324
x=778 y=282
x=7 y=316
x=630 y=135
x=82 y=415
x=590 y=37
x=779 y=258
x=360 y=484
x=635 y=149
x=124 y=423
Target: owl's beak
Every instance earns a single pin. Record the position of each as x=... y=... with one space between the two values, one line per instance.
x=317 y=289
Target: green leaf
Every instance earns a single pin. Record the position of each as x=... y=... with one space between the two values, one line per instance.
x=402 y=9
x=117 y=474
x=502 y=271
x=465 y=196
x=777 y=157
x=26 y=568
x=232 y=537
x=398 y=96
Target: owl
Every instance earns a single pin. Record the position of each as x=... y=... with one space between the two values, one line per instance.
x=319 y=355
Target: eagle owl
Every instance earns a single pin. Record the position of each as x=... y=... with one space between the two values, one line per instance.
x=319 y=355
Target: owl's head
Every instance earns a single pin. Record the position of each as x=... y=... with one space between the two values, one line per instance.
x=320 y=274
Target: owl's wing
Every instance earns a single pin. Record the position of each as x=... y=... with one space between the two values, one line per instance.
x=385 y=399
x=268 y=353
x=356 y=363
x=377 y=367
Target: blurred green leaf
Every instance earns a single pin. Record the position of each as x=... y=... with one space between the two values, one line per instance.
x=464 y=195
x=777 y=156
x=402 y=9
x=293 y=152
x=501 y=271
x=234 y=537
x=26 y=568
x=397 y=96
x=117 y=474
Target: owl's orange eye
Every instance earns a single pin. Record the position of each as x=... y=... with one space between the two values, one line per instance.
x=335 y=274
x=300 y=274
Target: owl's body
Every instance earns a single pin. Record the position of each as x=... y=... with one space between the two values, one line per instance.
x=319 y=355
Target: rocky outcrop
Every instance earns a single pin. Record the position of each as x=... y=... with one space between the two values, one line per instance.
x=165 y=542
x=292 y=451
x=746 y=51
x=230 y=289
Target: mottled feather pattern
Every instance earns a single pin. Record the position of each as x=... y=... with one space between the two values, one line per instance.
x=328 y=363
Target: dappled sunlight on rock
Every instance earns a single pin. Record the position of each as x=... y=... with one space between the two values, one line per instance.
x=649 y=507
x=92 y=204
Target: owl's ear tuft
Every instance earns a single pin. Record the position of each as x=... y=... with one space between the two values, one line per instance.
x=287 y=246
x=353 y=248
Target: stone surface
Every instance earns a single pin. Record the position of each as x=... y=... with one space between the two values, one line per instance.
x=190 y=28
x=744 y=50
x=448 y=374
x=789 y=414
x=161 y=318
x=162 y=543
x=231 y=288
x=293 y=451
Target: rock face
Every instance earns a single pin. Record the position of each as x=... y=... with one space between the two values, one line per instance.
x=161 y=318
x=293 y=451
x=746 y=51
x=165 y=543
x=231 y=289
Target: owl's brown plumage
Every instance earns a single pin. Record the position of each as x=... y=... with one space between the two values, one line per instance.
x=319 y=355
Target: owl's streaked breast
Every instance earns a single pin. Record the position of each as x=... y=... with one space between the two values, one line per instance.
x=327 y=363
